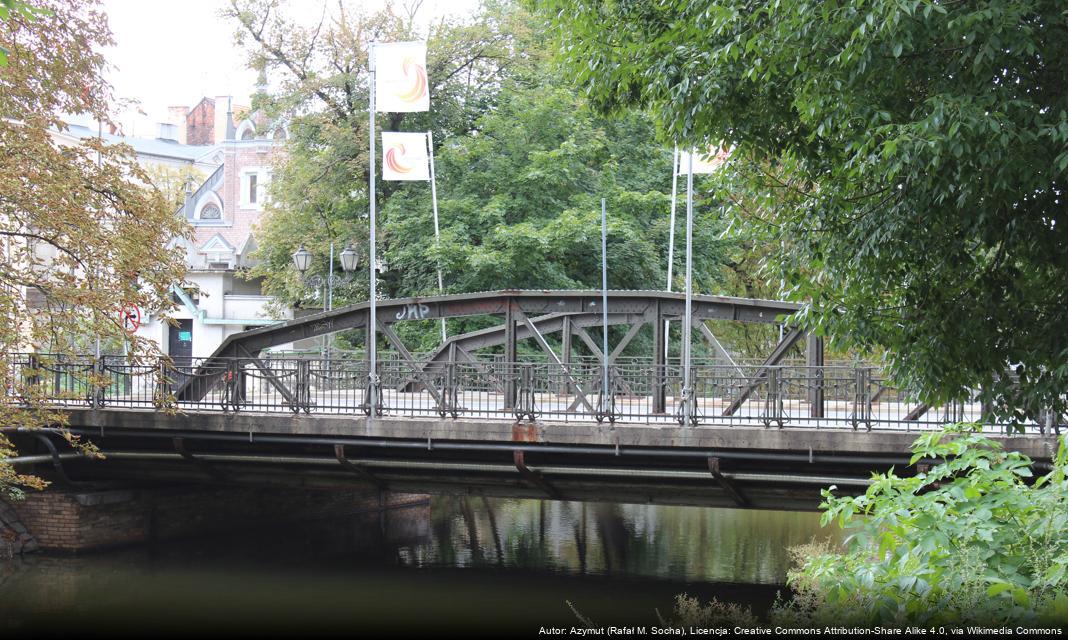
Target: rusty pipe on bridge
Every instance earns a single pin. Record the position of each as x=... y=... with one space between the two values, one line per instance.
x=527 y=447
x=463 y=466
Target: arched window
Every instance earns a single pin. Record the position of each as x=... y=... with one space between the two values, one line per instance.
x=210 y=212
x=280 y=134
x=246 y=130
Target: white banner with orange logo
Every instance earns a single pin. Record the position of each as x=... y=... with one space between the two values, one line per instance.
x=404 y=156
x=703 y=161
x=400 y=77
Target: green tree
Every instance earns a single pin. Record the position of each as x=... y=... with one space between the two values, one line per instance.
x=971 y=540
x=319 y=191
x=906 y=159
x=519 y=202
x=521 y=162
x=79 y=234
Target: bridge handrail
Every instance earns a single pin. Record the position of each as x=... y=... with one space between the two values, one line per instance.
x=856 y=395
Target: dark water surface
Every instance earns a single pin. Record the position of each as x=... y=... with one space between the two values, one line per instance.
x=466 y=564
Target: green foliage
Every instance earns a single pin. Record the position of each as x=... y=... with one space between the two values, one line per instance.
x=905 y=159
x=520 y=202
x=319 y=191
x=521 y=162
x=18 y=10
x=970 y=540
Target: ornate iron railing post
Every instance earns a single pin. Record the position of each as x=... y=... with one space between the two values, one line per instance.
x=98 y=389
x=773 y=402
x=861 y=397
x=372 y=403
x=524 y=404
x=606 y=401
x=303 y=387
x=687 y=410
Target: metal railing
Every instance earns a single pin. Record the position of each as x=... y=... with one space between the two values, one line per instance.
x=847 y=396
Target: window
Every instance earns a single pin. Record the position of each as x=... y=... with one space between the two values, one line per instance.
x=253 y=187
x=210 y=212
x=248 y=134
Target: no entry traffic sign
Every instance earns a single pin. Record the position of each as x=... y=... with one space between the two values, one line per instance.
x=130 y=316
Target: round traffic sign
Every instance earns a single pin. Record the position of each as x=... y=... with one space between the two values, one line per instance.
x=130 y=316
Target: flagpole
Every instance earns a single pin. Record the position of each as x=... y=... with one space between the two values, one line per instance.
x=437 y=230
x=605 y=391
x=372 y=328
x=671 y=241
x=687 y=319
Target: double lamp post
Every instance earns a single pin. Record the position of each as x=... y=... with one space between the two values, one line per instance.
x=349 y=259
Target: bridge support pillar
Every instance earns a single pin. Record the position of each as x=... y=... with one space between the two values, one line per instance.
x=659 y=381
x=814 y=360
x=510 y=355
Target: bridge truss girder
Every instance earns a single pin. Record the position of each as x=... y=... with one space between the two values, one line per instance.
x=529 y=314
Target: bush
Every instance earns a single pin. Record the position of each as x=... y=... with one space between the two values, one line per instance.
x=970 y=540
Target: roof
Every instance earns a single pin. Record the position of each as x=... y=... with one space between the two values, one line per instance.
x=146 y=146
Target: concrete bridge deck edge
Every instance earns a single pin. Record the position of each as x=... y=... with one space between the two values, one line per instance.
x=738 y=437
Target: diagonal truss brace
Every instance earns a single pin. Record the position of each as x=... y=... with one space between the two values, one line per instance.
x=788 y=341
x=540 y=339
x=273 y=379
x=417 y=371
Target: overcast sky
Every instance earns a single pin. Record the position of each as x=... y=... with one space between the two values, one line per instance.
x=174 y=52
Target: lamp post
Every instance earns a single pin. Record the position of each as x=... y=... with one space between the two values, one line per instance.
x=349 y=259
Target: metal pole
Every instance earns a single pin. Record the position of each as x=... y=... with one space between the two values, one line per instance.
x=686 y=319
x=330 y=281
x=671 y=241
x=437 y=230
x=372 y=327
x=328 y=339
x=605 y=391
x=96 y=268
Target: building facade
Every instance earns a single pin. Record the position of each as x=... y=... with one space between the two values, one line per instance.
x=217 y=300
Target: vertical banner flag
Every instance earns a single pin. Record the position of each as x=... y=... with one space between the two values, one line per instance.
x=404 y=156
x=707 y=162
x=400 y=77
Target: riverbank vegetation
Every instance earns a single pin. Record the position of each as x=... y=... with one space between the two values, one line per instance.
x=972 y=537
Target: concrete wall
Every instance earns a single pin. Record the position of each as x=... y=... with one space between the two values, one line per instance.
x=71 y=520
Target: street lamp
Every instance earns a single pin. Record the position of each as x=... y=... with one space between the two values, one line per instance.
x=349 y=258
x=302 y=259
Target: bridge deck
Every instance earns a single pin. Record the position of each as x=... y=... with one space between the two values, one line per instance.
x=763 y=436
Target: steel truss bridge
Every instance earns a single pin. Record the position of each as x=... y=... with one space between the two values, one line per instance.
x=765 y=434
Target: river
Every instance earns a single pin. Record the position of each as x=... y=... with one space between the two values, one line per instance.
x=458 y=563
